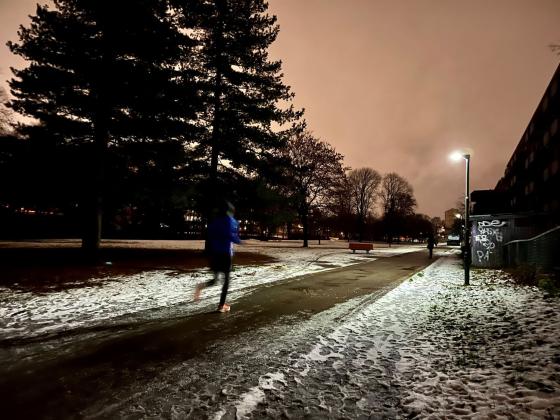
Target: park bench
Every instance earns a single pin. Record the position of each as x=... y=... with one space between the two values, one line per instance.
x=360 y=246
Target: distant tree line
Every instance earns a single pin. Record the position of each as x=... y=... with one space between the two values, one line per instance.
x=146 y=111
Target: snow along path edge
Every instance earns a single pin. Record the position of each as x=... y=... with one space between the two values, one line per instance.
x=489 y=349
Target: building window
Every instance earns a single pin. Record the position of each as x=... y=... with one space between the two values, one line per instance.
x=545 y=139
x=526 y=189
x=531 y=186
x=554 y=126
x=531 y=128
x=554 y=87
x=531 y=157
x=545 y=174
x=545 y=103
x=526 y=163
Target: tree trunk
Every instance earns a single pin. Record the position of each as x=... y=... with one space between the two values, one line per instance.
x=305 y=222
x=216 y=133
x=93 y=211
x=360 y=229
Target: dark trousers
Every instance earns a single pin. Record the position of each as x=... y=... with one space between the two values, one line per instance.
x=221 y=263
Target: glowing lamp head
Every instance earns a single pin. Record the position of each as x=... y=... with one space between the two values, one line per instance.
x=456 y=156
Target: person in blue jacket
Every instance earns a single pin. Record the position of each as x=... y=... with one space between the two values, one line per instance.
x=222 y=234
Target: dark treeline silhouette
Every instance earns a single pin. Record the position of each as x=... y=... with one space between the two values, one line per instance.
x=145 y=113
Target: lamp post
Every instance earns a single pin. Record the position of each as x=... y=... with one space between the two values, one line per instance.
x=456 y=156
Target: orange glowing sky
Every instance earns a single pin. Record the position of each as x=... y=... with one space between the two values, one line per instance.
x=397 y=84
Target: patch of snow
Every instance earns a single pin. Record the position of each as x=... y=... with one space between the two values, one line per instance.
x=142 y=296
x=431 y=348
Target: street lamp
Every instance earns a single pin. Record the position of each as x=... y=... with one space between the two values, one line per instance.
x=457 y=156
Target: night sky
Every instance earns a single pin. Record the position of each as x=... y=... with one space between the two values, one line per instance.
x=396 y=85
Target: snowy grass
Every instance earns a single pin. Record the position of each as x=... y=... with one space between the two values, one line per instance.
x=161 y=293
x=488 y=350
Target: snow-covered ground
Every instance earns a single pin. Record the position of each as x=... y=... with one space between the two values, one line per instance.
x=25 y=314
x=429 y=348
x=491 y=350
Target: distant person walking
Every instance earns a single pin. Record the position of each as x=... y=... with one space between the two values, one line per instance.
x=431 y=244
x=222 y=233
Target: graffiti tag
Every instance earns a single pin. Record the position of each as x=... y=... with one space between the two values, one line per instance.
x=488 y=236
x=493 y=223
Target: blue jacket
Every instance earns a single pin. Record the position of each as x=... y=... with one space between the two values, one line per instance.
x=222 y=232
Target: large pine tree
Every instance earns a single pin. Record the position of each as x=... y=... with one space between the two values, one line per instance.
x=102 y=74
x=248 y=110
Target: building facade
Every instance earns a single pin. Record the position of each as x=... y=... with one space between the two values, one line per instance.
x=531 y=181
x=524 y=207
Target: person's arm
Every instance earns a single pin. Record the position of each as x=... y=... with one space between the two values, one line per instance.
x=234 y=231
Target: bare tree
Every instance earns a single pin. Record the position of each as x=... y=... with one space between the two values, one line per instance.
x=339 y=209
x=397 y=199
x=397 y=196
x=460 y=205
x=314 y=171
x=363 y=183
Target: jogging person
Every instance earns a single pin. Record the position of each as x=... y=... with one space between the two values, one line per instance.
x=222 y=233
x=431 y=244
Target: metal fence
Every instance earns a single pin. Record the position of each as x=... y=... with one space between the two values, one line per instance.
x=542 y=251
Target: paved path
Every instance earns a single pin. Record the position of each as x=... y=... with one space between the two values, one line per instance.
x=91 y=368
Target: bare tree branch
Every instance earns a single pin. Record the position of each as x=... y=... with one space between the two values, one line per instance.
x=397 y=196
x=315 y=169
x=363 y=185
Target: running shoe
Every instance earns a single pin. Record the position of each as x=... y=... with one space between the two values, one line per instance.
x=224 y=308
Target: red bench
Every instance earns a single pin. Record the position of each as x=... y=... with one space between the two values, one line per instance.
x=360 y=246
